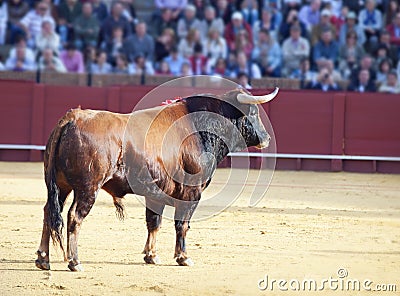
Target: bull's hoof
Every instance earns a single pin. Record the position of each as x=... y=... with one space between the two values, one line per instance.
x=41 y=264
x=152 y=259
x=75 y=267
x=184 y=261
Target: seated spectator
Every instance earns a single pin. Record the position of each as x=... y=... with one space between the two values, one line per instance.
x=243 y=80
x=370 y=20
x=215 y=48
x=381 y=54
x=220 y=68
x=129 y=12
x=188 y=22
x=121 y=64
x=324 y=81
x=338 y=19
x=186 y=45
x=50 y=63
x=243 y=65
x=86 y=27
x=165 y=21
x=175 y=61
x=115 y=19
x=89 y=57
x=306 y=75
x=323 y=25
x=210 y=22
x=291 y=20
x=310 y=14
x=101 y=66
x=99 y=10
x=17 y=9
x=48 y=38
x=114 y=46
x=21 y=42
x=198 y=61
x=268 y=23
x=351 y=25
x=164 y=44
x=224 y=10
x=363 y=83
x=384 y=67
x=350 y=54
x=185 y=70
x=163 y=69
x=3 y=21
x=242 y=43
x=336 y=75
x=392 y=9
x=175 y=6
x=392 y=50
x=391 y=85
x=268 y=54
x=141 y=66
x=20 y=62
x=139 y=44
x=355 y=6
x=326 y=48
x=294 y=50
x=249 y=10
x=236 y=25
x=289 y=5
x=72 y=59
x=366 y=63
x=335 y=7
x=274 y=7
x=68 y=11
x=200 y=8
x=32 y=22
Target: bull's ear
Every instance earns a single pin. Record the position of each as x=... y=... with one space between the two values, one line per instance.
x=250 y=99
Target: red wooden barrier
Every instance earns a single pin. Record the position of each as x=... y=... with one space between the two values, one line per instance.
x=304 y=122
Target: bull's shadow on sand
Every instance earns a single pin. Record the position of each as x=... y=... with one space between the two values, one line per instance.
x=13 y=265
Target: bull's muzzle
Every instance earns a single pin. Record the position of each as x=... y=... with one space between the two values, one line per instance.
x=265 y=142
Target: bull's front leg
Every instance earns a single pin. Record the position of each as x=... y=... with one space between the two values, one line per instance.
x=182 y=219
x=181 y=228
x=153 y=221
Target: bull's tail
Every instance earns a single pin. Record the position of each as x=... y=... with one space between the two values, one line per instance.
x=54 y=221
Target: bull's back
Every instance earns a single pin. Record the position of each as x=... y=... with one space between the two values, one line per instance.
x=88 y=144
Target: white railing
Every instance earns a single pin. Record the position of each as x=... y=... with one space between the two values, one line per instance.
x=245 y=154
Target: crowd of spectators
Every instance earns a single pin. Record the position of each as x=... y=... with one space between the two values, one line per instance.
x=320 y=42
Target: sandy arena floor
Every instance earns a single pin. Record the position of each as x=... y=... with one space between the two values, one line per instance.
x=308 y=226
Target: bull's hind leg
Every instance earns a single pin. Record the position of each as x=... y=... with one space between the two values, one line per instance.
x=153 y=221
x=80 y=208
x=43 y=259
x=183 y=214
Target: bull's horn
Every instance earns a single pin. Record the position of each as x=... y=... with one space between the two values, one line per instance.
x=249 y=99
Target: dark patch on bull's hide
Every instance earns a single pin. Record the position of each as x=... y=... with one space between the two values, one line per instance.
x=228 y=107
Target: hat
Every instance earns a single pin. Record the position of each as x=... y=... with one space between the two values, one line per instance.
x=351 y=15
x=237 y=16
x=325 y=12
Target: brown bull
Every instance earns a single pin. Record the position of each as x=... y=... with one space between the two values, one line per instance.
x=145 y=153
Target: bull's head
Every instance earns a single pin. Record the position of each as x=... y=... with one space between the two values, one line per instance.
x=250 y=125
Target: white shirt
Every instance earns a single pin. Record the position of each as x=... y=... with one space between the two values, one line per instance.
x=33 y=22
